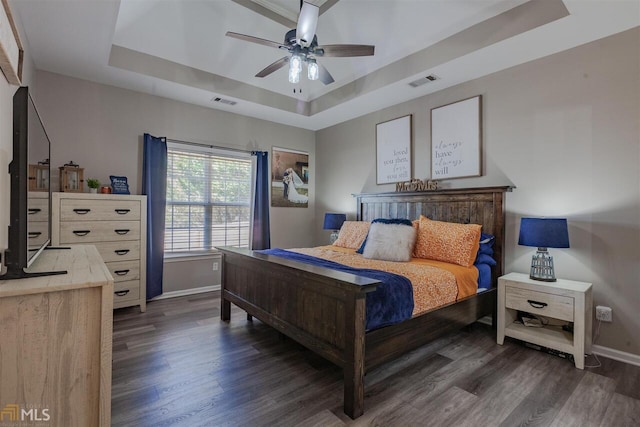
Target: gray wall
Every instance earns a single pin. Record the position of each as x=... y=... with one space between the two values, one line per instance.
x=100 y=127
x=565 y=130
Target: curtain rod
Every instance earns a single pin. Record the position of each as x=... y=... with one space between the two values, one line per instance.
x=210 y=145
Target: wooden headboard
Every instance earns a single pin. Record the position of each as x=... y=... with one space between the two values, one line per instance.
x=484 y=206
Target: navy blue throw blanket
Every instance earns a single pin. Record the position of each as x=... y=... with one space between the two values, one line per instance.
x=390 y=303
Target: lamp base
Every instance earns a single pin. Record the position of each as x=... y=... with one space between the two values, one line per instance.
x=334 y=236
x=542 y=266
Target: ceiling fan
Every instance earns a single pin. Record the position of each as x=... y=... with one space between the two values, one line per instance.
x=302 y=44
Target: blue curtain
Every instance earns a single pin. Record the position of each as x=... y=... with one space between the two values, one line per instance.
x=154 y=186
x=261 y=238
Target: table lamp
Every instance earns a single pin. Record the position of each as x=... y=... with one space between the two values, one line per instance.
x=543 y=233
x=333 y=221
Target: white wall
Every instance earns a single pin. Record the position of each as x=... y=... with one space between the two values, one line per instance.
x=565 y=130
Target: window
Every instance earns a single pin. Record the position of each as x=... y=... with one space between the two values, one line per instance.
x=208 y=199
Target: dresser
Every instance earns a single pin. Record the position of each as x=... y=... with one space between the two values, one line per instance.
x=55 y=342
x=117 y=226
x=562 y=301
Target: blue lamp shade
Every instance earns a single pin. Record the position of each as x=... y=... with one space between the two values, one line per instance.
x=544 y=232
x=333 y=221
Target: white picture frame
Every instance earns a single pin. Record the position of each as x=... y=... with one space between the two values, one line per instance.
x=456 y=139
x=11 y=53
x=393 y=150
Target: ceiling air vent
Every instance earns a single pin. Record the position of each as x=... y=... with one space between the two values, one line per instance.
x=224 y=101
x=424 y=80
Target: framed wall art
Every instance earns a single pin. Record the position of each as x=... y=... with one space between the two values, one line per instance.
x=393 y=150
x=11 y=53
x=456 y=139
x=289 y=178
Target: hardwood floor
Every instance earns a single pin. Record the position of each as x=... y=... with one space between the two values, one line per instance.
x=178 y=364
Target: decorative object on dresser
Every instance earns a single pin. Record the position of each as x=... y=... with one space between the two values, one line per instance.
x=543 y=233
x=39 y=176
x=71 y=178
x=333 y=221
x=55 y=340
x=456 y=139
x=93 y=185
x=105 y=189
x=117 y=226
x=563 y=309
x=119 y=184
x=393 y=150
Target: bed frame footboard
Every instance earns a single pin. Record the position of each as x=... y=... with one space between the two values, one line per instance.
x=320 y=308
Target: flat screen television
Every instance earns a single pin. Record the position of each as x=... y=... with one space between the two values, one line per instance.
x=31 y=146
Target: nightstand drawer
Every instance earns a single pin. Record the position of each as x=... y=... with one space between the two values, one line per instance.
x=540 y=303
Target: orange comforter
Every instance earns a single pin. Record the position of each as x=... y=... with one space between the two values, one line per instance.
x=435 y=283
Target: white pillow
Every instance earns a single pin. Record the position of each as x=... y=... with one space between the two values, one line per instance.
x=390 y=242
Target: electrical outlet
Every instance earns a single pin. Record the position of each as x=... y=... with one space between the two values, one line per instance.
x=215 y=266
x=604 y=314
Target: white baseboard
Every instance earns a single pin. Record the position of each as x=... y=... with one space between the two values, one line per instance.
x=621 y=356
x=184 y=292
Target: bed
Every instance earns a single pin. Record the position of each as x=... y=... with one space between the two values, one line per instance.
x=324 y=309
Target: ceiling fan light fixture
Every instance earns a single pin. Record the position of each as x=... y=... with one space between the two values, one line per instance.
x=312 y=70
x=295 y=68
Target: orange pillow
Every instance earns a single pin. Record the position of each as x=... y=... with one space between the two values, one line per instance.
x=448 y=241
x=352 y=234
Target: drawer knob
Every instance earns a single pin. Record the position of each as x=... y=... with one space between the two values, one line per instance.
x=537 y=304
x=81 y=232
x=121 y=272
x=122 y=231
x=82 y=211
x=122 y=211
x=33 y=211
x=121 y=251
x=34 y=234
x=122 y=293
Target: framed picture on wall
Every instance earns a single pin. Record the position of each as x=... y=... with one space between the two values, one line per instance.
x=393 y=150
x=456 y=139
x=289 y=178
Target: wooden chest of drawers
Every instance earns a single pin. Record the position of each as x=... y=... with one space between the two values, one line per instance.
x=117 y=226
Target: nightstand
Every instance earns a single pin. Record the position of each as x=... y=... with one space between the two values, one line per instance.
x=563 y=300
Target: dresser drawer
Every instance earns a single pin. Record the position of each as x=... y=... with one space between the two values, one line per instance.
x=98 y=231
x=540 y=303
x=123 y=271
x=126 y=291
x=106 y=210
x=37 y=233
x=37 y=209
x=119 y=251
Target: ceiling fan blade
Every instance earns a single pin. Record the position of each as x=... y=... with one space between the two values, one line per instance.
x=307 y=23
x=324 y=75
x=256 y=40
x=273 y=67
x=347 y=50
